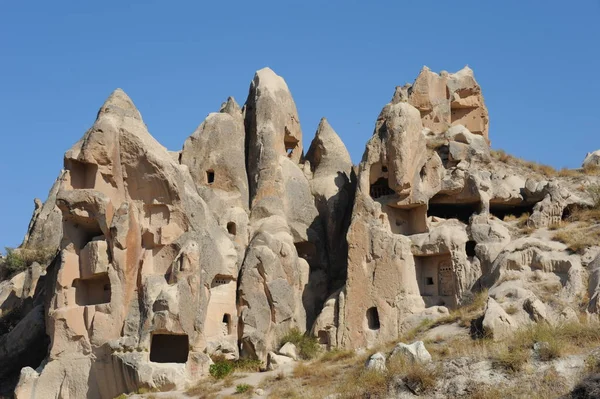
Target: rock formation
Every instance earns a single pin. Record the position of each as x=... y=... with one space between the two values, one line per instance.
x=168 y=258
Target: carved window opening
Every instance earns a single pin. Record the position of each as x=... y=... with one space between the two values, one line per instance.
x=227 y=330
x=83 y=175
x=290 y=144
x=470 y=248
x=210 y=176
x=429 y=281
x=231 y=228
x=373 y=318
x=380 y=188
x=220 y=280
x=95 y=290
x=323 y=337
x=169 y=348
x=384 y=169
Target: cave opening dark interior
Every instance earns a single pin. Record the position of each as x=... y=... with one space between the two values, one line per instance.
x=470 y=248
x=503 y=210
x=380 y=188
x=169 y=348
x=461 y=211
x=373 y=318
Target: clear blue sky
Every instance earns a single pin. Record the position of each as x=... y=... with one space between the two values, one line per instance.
x=538 y=63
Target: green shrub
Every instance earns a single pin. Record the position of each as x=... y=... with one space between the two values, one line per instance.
x=243 y=388
x=14 y=262
x=308 y=347
x=220 y=369
x=17 y=260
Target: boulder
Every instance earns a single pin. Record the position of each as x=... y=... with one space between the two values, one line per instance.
x=496 y=322
x=414 y=353
x=376 y=363
x=289 y=350
x=592 y=159
x=274 y=361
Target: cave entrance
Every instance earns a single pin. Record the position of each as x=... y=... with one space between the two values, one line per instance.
x=231 y=228
x=210 y=176
x=306 y=250
x=169 y=348
x=406 y=221
x=460 y=211
x=290 y=144
x=436 y=280
x=503 y=210
x=470 y=248
x=373 y=318
x=92 y=291
x=226 y=324
x=380 y=188
x=323 y=337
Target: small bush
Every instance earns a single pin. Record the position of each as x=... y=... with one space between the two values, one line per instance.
x=243 y=388
x=14 y=262
x=121 y=396
x=17 y=260
x=511 y=359
x=308 y=347
x=420 y=379
x=220 y=369
x=248 y=365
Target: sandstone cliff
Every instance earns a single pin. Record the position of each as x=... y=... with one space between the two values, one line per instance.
x=165 y=259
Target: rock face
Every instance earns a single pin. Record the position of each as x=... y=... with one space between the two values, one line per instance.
x=592 y=159
x=448 y=99
x=168 y=258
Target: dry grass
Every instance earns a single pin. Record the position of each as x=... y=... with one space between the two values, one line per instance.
x=336 y=355
x=586 y=171
x=550 y=385
x=584 y=230
x=361 y=383
x=205 y=389
x=578 y=239
x=520 y=221
x=502 y=156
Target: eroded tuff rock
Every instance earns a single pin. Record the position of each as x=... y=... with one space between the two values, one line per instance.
x=168 y=258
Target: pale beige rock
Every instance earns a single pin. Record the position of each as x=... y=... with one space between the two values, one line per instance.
x=376 y=363
x=414 y=353
x=496 y=322
x=133 y=227
x=446 y=100
x=592 y=159
x=274 y=361
x=289 y=350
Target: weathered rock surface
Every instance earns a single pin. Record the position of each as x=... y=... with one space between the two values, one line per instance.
x=592 y=159
x=376 y=363
x=169 y=257
x=415 y=352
